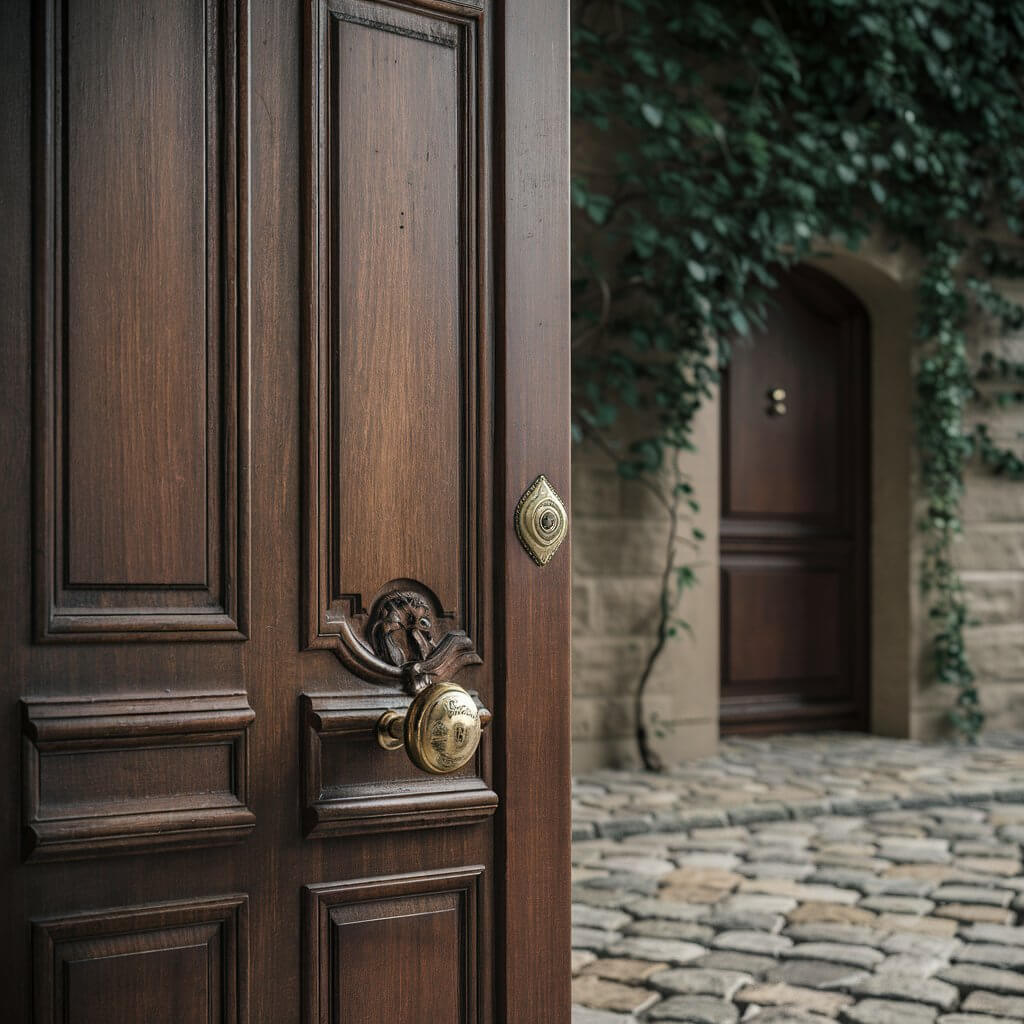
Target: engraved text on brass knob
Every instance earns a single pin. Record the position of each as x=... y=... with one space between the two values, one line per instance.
x=440 y=731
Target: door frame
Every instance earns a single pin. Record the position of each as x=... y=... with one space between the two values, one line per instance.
x=532 y=241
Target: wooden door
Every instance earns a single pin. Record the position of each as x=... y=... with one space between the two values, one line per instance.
x=284 y=340
x=794 y=528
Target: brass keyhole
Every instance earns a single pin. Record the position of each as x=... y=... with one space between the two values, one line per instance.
x=541 y=521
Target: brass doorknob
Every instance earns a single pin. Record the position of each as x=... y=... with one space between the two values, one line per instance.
x=440 y=731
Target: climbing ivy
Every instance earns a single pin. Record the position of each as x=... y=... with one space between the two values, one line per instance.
x=724 y=141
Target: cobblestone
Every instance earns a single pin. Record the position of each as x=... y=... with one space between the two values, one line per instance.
x=803 y=880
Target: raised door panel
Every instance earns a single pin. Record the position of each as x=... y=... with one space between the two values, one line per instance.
x=794 y=610
x=140 y=320
x=400 y=948
x=172 y=963
x=398 y=350
x=103 y=775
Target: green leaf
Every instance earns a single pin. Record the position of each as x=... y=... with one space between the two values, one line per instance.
x=652 y=115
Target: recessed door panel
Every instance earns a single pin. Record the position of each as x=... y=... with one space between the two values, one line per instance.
x=140 y=377
x=397 y=349
x=399 y=949
x=172 y=963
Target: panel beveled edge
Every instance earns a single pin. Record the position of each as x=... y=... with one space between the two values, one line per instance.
x=220 y=923
x=220 y=612
x=79 y=727
x=327 y=614
x=321 y=899
x=428 y=801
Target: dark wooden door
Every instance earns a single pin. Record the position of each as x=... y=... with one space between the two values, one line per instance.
x=284 y=321
x=794 y=528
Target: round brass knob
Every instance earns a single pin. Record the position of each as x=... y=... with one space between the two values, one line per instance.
x=440 y=731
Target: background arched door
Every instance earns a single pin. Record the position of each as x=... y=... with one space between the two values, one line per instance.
x=795 y=504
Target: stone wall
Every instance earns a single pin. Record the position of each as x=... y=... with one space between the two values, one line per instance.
x=991 y=558
x=619 y=536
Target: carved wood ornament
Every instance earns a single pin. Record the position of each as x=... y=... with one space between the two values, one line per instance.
x=404 y=653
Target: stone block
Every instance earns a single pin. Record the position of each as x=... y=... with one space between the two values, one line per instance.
x=993 y=1003
x=997 y=652
x=758 y=943
x=594 y=717
x=887 y=1011
x=995 y=600
x=619 y=547
x=596 y=491
x=990 y=499
x=701 y=981
x=852 y=955
x=927 y=991
x=781 y=994
x=668 y=951
x=628 y=606
x=970 y=977
x=600 y=994
x=992 y=546
x=606 y=666
x=630 y=972
x=695 y=1010
x=581 y=608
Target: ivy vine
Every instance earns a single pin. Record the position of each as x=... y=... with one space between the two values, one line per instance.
x=726 y=141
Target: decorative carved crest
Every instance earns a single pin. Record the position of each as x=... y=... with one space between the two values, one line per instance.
x=404 y=652
x=403 y=627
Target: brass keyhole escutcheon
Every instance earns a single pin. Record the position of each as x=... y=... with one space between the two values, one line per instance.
x=541 y=521
x=440 y=731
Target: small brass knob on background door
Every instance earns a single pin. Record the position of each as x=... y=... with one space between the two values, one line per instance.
x=777 y=398
x=440 y=731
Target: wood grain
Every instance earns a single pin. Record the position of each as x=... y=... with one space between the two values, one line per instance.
x=397 y=948
x=531 y=712
x=140 y=325
x=166 y=963
x=395 y=343
x=493 y=941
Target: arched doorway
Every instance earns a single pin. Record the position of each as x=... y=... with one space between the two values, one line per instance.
x=794 y=530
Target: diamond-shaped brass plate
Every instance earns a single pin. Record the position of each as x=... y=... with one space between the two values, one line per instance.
x=541 y=521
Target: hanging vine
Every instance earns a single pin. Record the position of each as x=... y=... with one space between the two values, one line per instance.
x=728 y=140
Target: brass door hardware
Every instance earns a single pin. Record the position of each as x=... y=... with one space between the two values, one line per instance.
x=541 y=521
x=777 y=400
x=440 y=731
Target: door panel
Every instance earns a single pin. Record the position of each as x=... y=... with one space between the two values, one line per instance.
x=123 y=774
x=184 y=961
x=140 y=390
x=284 y=321
x=396 y=195
x=794 y=515
x=360 y=935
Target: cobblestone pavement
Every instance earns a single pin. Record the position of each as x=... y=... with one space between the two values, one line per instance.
x=804 y=880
